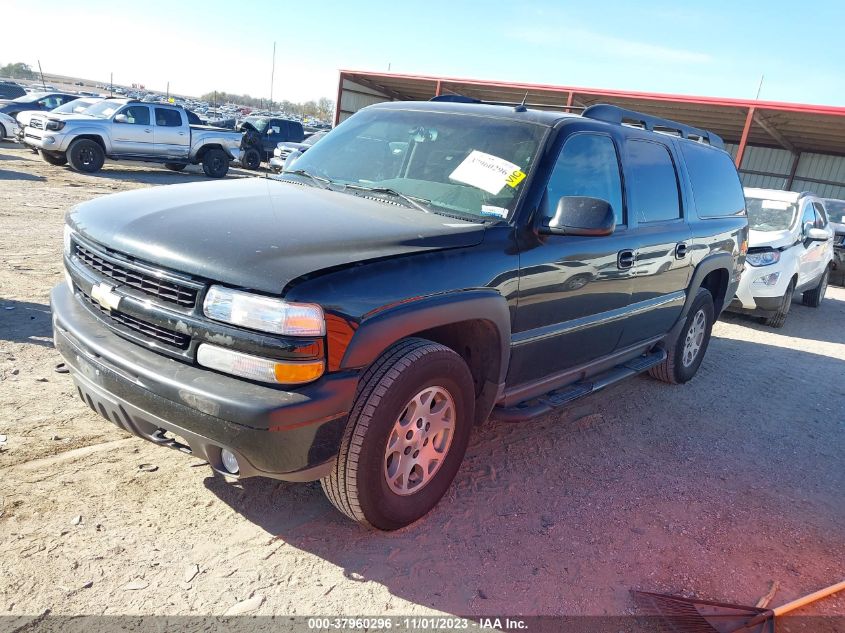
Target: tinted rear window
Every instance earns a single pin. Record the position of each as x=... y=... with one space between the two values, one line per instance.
x=652 y=182
x=715 y=183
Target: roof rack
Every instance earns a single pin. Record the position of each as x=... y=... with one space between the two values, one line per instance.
x=621 y=116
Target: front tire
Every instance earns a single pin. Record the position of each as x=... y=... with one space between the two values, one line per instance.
x=779 y=318
x=684 y=354
x=54 y=159
x=406 y=436
x=814 y=297
x=215 y=163
x=251 y=159
x=2 y=132
x=86 y=156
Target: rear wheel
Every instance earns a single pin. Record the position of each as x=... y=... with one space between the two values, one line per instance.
x=406 y=436
x=54 y=158
x=215 y=163
x=779 y=318
x=684 y=354
x=86 y=155
x=175 y=166
x=814 y=297
x=2 y=132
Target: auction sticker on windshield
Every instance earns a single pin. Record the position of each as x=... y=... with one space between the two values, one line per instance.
x=487 y=172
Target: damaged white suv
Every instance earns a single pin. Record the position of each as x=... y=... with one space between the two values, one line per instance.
x=790 y=248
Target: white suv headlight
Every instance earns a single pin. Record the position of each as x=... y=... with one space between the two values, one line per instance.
x=766 y=258
x=266 y=314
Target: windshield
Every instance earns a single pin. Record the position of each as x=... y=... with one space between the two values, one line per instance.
x=835 y=210
x=258 y=123
x=770 y=215
x=77 y=105
x=465 y=163
x=104 y=109
x=32 y=96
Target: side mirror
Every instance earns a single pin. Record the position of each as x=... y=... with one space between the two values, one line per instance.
x=120 y=118
x=580 y=215
x=817 y=235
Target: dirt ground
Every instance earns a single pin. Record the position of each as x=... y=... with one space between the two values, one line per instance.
x=712 y=489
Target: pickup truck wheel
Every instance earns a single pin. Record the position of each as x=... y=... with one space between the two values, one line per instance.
x=779 y=318
x=813 y=298
x=54 y=159
x=85 y=155
x=684 y=354
x=406 y=436
x=2 y=131
x=175 y=166
x=251 y=159
x=215 y=163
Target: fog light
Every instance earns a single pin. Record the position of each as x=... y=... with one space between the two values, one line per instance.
x=230 y=462
x=767 y=280
x=49 y=140
x=258 y=368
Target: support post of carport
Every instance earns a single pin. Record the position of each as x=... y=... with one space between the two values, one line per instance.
x=744 y=140
x=437 y=92
x=339 y=97
x=569 y=101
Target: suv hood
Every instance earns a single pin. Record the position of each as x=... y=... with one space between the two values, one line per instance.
x=259 y=233
x=775 y=239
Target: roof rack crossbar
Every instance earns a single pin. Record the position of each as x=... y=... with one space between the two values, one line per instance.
x=615 y=114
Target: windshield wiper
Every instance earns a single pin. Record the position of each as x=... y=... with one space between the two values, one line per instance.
x=322 y=182
x=412 y=200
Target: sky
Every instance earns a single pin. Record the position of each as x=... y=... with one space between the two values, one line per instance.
x=714 y=48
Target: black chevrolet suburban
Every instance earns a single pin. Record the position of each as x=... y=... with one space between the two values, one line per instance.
x=425 y=267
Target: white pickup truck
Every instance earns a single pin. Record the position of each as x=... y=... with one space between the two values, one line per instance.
x=127 y=129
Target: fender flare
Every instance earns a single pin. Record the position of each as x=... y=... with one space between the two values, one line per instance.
x=705 y=267
x=105 y=140
x=384 y=328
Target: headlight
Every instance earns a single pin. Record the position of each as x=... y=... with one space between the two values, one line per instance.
x=53 y=125
x=257 y=368
x=763 y=259
x=68 y=234
x=264 y=313
x=277 y=152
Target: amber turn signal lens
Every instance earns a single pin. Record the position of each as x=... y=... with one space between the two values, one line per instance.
x=298 y=373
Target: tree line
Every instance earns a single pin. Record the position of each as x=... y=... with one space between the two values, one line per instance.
x=322 y=108
x=18 y=70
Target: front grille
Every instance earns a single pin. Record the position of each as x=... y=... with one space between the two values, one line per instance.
x=163 y=289
x=839 y=238
x=149 y=330
x=38 y=124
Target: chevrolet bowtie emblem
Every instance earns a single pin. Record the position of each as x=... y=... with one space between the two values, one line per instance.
x=105 y=296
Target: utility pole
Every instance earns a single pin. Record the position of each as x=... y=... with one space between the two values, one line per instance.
x=111 y=84
x=168 y=91
x=759 y=87
x=40 y=72
x=272 y=75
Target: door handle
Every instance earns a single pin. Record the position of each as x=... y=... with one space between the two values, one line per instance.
x=625 y=259
x=148 y=131
x=680 y=251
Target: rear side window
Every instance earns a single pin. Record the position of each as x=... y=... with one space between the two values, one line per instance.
x=165 y=117
x=652 y=182
x=715 y=183
x=587 y=166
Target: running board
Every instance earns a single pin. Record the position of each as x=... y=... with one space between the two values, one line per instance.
x=561 y=397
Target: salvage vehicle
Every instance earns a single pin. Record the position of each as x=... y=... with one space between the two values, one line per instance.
x=127 y=129
x=70 y=107
x=8 y=126
x=790 y=249
x=42 y=101
x=352 y=319
x=836 y=217
x=11 y=90
x=292 y=150
x=263 y=134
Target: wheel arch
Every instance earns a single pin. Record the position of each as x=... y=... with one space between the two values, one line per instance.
x=475 y=324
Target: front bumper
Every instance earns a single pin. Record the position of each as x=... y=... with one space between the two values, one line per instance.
x=45 y=139
x=751 y=297
x=290 y=435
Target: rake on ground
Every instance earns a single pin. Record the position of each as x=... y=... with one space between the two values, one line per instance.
x=684 y=615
